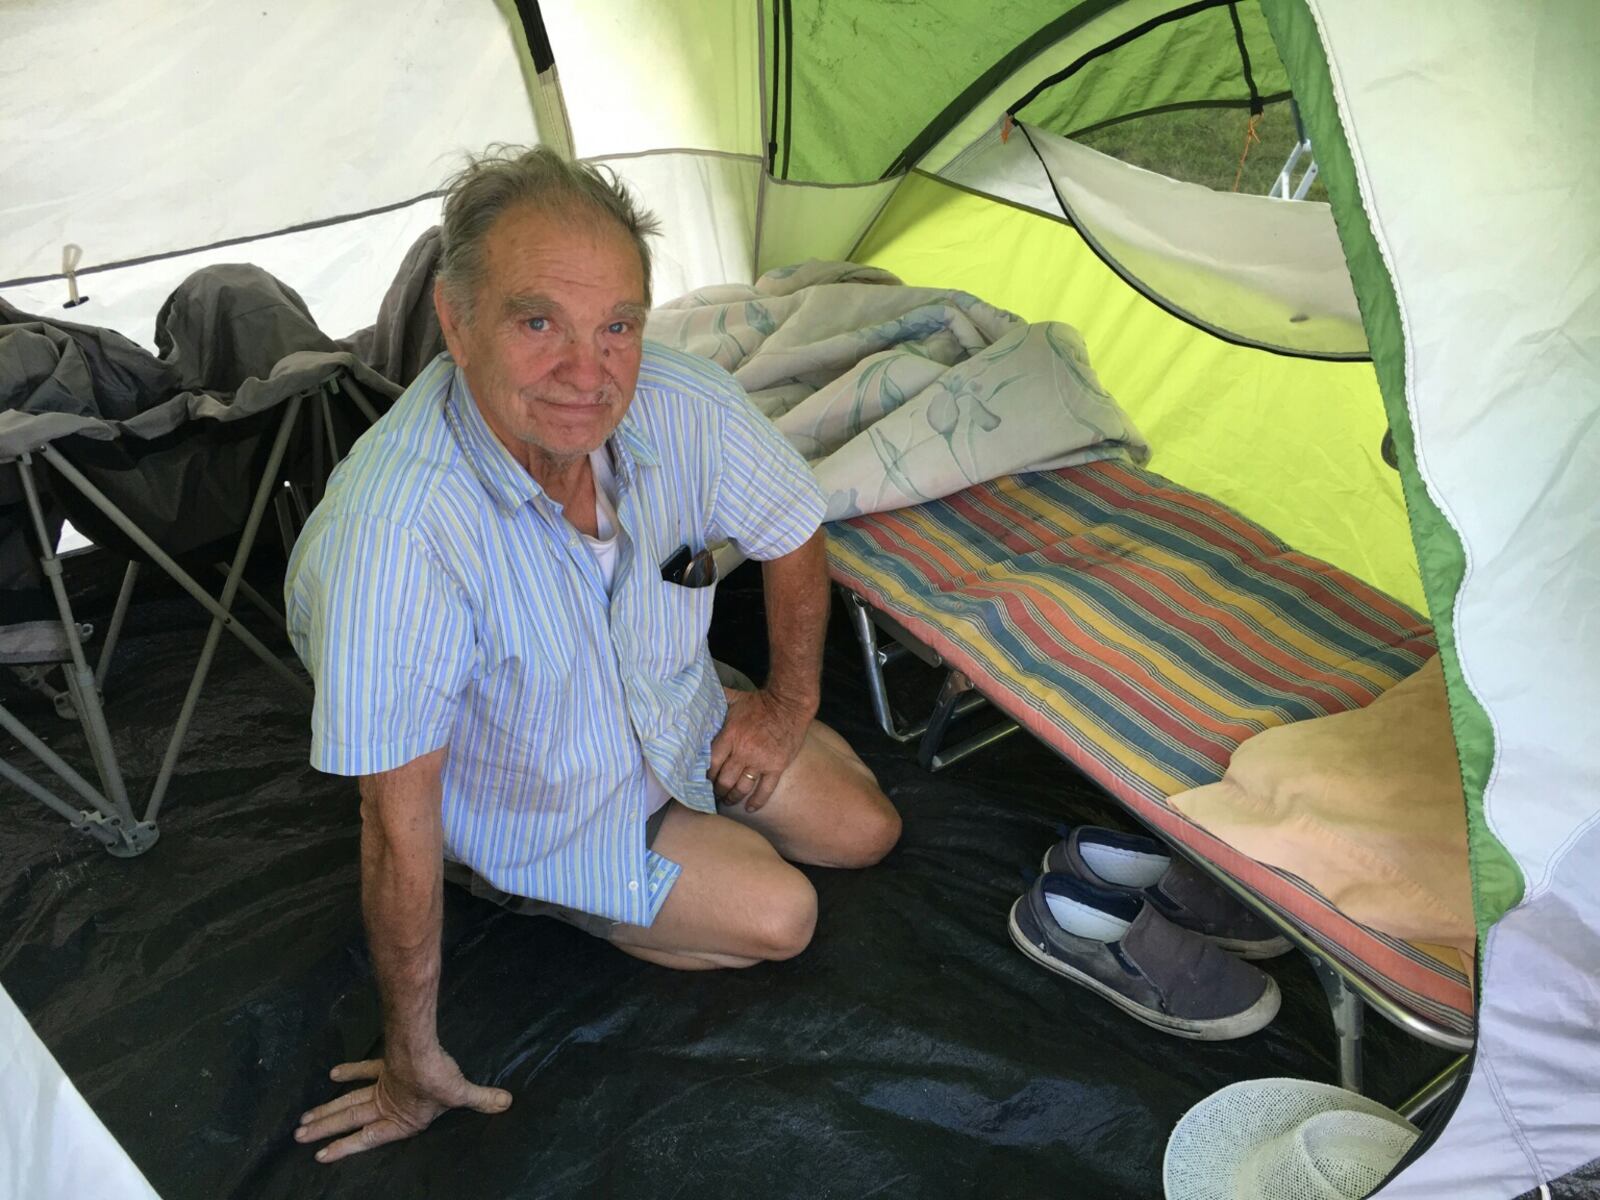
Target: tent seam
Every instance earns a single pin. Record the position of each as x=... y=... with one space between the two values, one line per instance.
x=737 y=155
x=140 y=260
x=1485 y=1061
x=1419 y=453
x=769 y=150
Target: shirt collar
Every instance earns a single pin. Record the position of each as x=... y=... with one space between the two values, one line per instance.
x=502 y=476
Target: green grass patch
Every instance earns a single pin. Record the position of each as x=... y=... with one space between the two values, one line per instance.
x=1202 y=145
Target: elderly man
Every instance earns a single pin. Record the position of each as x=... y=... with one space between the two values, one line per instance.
x=504 y=601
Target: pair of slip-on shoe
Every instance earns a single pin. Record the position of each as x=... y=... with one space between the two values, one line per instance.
x=1150 y=933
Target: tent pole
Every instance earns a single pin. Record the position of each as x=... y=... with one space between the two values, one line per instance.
x=1433 y=1091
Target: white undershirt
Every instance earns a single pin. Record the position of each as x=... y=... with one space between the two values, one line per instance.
x=604 y=549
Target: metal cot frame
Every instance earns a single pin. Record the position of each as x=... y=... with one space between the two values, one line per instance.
x=1349 y=994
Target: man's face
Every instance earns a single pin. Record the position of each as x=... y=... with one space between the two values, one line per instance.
x=552 y=350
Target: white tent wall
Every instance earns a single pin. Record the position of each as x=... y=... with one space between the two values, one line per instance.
x=341 y=270
x=174 y=127
x=706 y=202
x=669 y=97
x=52 y=1146
x=1493 y=266
x=641 y=75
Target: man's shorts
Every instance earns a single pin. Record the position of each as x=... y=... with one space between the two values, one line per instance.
x=464 y=876
x=601 y=927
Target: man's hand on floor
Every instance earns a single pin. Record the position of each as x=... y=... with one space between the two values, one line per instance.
x=403 y=1101
x=759 y=740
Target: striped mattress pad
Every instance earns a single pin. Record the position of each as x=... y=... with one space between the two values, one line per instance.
x=1143 y=631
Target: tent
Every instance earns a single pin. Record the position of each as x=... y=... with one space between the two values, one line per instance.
x=1453 y=142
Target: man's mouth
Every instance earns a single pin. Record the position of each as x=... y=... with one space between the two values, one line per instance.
x=578 y=403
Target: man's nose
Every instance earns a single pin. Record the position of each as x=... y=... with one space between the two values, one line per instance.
x=583 y=366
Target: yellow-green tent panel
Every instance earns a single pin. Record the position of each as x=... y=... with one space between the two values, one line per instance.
x=1293 y=443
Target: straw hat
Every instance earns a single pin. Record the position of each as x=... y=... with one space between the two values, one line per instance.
x=1283 y=1139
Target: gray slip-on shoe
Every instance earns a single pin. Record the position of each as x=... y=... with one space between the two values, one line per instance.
x=1119 y=947
x=1143 y=867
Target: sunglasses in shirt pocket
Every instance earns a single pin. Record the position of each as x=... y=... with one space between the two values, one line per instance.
x=690 y=568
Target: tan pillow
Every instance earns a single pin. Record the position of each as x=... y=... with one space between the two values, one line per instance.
x=1365 y=806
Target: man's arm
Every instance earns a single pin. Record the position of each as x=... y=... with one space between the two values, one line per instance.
x=765 y=729
x=796 y=589
x=402 y=899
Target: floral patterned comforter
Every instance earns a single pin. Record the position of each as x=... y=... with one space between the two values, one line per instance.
x=896 y=394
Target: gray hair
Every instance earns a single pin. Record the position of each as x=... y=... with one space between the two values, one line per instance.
x=504 y=177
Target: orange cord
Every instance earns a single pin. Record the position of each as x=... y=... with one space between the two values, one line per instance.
x=1005 y=130
x=1250 y=137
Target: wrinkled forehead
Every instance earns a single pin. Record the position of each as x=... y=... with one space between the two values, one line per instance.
x=565 y=254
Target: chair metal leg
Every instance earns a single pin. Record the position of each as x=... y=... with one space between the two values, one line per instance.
x=1349 y=1016
x=118 y=615
x=358 y=397
x=257 y=601
x=94 y=823
x=179 y=576
x=63 y=771
x=230 y=588
x=286 y=530
x=80 y=680
x=326 y=408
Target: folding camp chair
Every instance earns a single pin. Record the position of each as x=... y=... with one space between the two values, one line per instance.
x=110 y=817
x=171 y=462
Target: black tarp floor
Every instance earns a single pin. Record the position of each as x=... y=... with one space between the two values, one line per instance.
x=198 y=995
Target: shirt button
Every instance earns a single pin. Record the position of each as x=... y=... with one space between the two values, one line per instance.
x=633 y=885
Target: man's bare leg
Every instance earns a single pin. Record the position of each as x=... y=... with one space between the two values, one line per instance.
x=737 y=902
x=827 y=810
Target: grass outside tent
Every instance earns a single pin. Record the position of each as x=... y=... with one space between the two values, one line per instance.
x=1202 y=145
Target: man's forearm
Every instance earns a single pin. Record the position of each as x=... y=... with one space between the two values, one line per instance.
x=402 y=899
x=796 y=587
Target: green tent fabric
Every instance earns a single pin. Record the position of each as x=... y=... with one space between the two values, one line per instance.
x=1453 y=139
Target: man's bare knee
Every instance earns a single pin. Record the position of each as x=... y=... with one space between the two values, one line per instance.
x=787 y=918
x=869 y=831
x=879 y=831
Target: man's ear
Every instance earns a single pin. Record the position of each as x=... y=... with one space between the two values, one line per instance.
x=449 y=323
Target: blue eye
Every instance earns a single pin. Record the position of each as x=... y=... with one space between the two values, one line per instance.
x=618 y=327
x=538 y=324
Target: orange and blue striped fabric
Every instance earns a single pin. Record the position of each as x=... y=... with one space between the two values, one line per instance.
x=1143 y=631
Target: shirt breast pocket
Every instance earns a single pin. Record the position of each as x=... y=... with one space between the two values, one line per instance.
x=679 y=620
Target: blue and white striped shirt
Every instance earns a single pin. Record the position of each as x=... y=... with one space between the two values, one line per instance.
x=438 y=596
